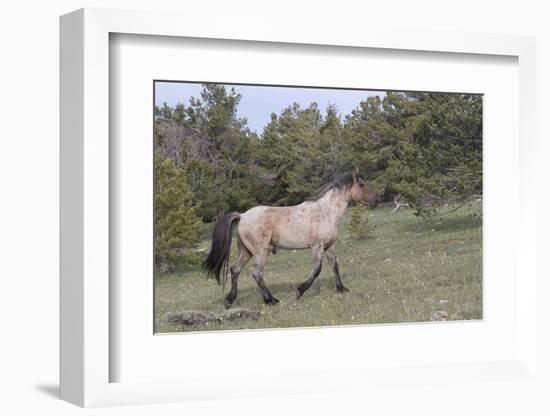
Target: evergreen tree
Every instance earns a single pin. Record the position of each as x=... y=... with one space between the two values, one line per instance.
x=359 y=226
x=425 y=146
x=176 y=224
x=441 y=161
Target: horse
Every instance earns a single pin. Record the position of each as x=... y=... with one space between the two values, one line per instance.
x=312 y=224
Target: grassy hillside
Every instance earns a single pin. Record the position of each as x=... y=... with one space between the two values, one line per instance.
x=404 y=271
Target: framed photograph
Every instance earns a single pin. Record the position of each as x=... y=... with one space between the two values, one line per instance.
x=290 y=170
x=291 y=208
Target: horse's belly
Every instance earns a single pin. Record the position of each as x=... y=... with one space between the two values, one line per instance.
x=296 y=237
x=289 y=239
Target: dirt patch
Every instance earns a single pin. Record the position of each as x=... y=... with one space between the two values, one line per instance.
x=195 y=317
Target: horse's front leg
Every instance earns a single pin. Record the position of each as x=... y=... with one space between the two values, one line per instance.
x=317 y=262
x=331 y=254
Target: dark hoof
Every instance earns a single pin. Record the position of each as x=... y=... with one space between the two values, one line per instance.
x=342 y=289
x=272 y=301
x=299 y=292
x=228 y=302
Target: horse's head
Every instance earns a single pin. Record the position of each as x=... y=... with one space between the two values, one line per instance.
x=360 y=192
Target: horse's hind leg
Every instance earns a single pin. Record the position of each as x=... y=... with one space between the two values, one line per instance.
x=258 y=274
x=317 y=261
x=331 y=254
x=242 y=259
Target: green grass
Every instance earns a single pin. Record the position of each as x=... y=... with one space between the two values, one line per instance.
x=407 y=269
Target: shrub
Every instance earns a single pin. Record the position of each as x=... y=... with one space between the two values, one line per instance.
x=359 y=226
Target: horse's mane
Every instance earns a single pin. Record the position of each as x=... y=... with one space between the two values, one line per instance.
x=344 y=182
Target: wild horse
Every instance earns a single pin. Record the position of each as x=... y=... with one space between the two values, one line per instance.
x=312 y=224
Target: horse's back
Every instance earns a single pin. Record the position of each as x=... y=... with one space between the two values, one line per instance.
x=261 y=217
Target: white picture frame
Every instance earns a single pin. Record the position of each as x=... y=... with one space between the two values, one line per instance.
x=85 y=220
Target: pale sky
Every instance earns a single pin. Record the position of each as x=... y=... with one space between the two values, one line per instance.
x=258 y=102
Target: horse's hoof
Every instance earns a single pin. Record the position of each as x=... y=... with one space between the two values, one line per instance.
x=342 y=289
x=299 y=293
x=228 y=303
x=272 y=301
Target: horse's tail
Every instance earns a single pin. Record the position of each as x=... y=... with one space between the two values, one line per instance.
x=218 y=259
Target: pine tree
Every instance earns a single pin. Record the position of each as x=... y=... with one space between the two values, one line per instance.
x=176 y=224
x=441 y=161
x=427 y=147
x=359 y=226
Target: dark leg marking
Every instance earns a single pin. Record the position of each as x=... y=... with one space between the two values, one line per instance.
x=258 y=274
x=243 y=258
x=266 y=294
x=232 y=295
x=332 y=256
x=317 y=263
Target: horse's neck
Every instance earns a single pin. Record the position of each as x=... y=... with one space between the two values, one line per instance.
x=334 y=204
